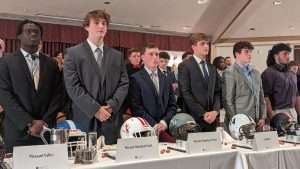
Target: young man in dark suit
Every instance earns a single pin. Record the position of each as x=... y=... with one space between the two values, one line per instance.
x=96 y=80
x=30 y=89
x=199 y=84
x=151 y=94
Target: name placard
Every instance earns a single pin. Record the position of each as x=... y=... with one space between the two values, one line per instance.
x=265 y=140
x=203 y=142
x=41 y=157
x=134 y=149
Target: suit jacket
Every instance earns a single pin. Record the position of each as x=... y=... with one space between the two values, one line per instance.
x=22 y=102
x=146 y=103
x=241 y=95
x=198 y=98
x=90 y=87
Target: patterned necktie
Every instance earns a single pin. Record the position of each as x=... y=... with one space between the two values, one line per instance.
x=35 y=70
x=204 y=70
x=99 y=56
x=154 y=79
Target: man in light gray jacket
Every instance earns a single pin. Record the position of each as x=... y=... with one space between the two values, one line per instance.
x=242 y=87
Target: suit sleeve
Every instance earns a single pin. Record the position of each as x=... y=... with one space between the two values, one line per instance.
x=121 y=92
x=195 y=108
x=13 y=109
x=262 y=103
x=56 y=103
x=171 y=109
x=136 y=102
x=217 y=93
x=76 y=90
x=228 y=89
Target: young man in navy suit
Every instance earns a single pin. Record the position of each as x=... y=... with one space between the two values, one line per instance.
x=152 y=97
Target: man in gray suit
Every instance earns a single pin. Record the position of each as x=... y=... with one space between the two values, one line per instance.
x=242 y=87
x=96 y=80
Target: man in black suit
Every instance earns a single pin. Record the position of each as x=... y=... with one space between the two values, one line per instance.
x=199 y=84
x=30 y=89
x=164 y=59
x=151 y=94
x=134 y=61
x=96 y=80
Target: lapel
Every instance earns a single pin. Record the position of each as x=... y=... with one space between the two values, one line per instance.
x=148 y=80
x=25 y=69
x=239 y=69
x=105 y=62
x=197 y=69
x=91 y=58
x=211 y=78
x=43 y=72
x=162 y=79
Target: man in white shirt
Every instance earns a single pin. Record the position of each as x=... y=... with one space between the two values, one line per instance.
x=96 y=80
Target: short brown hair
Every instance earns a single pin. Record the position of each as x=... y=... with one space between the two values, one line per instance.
x=148 y=46
x=132 y=50
x=95 y=14
x=198 y=37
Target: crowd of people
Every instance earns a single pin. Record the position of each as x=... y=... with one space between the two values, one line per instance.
x=92 y=84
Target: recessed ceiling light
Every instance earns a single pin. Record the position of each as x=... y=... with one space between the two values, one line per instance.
x=202 y=1
x=107 y=2
x=187 y=27
x=291 y=27
x=155 y=26
x=277 y=3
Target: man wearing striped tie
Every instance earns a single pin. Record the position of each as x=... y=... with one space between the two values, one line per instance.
x=151 y=94
x=30 y=89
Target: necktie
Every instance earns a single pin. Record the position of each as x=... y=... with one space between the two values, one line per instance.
x=204 y=70
x=35 y=70
x=165 y=73
x=154 y=79
x=99 y=56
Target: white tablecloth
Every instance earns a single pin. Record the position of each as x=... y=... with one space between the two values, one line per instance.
x=229 y=159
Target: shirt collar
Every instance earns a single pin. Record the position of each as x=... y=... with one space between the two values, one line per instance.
x=94 y=47
x=150 y=71
x=25 y=54
x=162 y=70
x=245 y=67
x=198 y=60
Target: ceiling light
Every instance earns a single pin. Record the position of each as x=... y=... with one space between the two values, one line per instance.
x=202 y=1
x=107 y=2
x=291 y=27
x=277 y=3
x=187 y=27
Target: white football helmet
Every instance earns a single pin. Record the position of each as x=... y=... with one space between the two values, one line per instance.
x=242 y=125
x=136 y=127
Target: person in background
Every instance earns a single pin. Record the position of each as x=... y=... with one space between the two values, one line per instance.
x=242 y=87
x=219 y=63
x=279 y=84
x=30 y=89
x=96 y=80
x=151 y=94
x=59 y=57
x=2 y=47
x=228 y=61
x=293 y=67
x=134 y=61
x=199 y=85
x=164 y=59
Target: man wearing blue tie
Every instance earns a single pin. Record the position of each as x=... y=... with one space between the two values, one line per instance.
x=199 y=84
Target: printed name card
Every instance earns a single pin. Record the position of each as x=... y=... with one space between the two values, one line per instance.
x=265 y=140
x=134 y=149
x=41 y=157
x=203 y=142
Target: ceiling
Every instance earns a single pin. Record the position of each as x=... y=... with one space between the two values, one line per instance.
x=221 y=19
x=267 y=19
